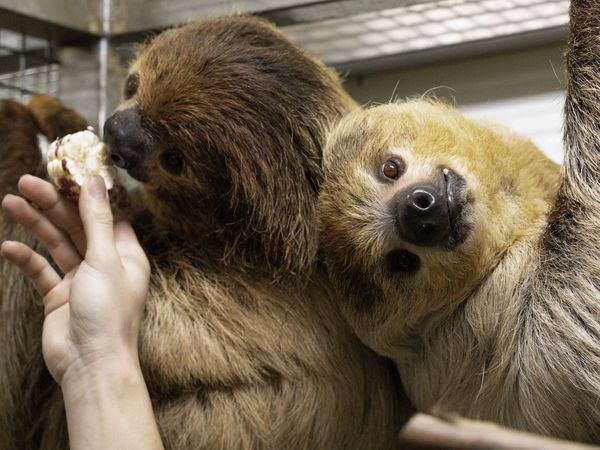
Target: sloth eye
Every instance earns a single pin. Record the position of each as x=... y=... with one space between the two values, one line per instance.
x=392 y=169
x=171 y=162
x=131 y=86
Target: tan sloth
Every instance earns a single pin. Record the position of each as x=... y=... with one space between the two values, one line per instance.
x=462 y=253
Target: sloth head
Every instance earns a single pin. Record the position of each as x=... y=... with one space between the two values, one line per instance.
x=419 y=205
x=223 y=123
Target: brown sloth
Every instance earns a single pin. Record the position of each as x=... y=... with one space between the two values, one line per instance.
x=242 y=345
x=463 y=254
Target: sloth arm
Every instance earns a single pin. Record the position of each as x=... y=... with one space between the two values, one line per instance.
x=569 y=249
x=554 y=329
x=577 y=208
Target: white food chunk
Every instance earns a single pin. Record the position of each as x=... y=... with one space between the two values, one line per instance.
x=76 y=157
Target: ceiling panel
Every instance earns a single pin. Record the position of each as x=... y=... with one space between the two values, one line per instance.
x=424 y=26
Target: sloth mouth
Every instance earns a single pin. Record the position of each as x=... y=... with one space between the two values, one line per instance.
x=402 y=261
x=449 y=181
x=455 y=188
x=139 y=174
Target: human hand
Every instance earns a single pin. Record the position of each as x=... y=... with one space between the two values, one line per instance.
x=94 y=308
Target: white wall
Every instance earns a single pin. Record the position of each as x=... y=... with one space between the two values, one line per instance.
x=522 y=90
x=537 y=116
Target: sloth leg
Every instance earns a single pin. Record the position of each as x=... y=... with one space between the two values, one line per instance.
x=53 y=119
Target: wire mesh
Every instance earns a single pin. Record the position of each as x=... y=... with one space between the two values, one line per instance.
x=27 y=66
x=425 y=26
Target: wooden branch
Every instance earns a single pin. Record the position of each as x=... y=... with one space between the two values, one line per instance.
x=423 y=431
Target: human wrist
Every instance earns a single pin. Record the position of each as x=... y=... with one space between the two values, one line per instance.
x=100 y=371
x=108 y=405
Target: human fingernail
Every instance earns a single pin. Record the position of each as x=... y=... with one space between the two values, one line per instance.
x=5 y=247
x=96 y=187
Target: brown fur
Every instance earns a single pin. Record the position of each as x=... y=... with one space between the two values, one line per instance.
x=26 y=384
x=17 y=147
x=53 y=118
x=505 y=326
x=242 y=345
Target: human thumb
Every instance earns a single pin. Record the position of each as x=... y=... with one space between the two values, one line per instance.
x=97 y=219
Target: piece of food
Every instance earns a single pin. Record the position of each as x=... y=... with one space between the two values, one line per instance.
x=76 y=157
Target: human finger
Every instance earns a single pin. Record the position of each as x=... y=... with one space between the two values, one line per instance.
x=33 y=265
x=59 y=295
x=97 y=219
x=58 y=244
x=60 y=210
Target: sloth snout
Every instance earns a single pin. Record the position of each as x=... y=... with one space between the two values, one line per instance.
x=123 y=134
x=422 y=215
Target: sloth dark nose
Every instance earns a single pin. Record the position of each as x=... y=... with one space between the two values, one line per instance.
x=123 y=134
x=422 y=215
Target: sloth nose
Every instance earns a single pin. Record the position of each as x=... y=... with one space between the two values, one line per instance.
x=422 y=215
x=123 y=134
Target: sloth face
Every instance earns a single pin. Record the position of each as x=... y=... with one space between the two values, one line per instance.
x=222 y=119
x=430 y=212
x=194 y=101
x=418 y=207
